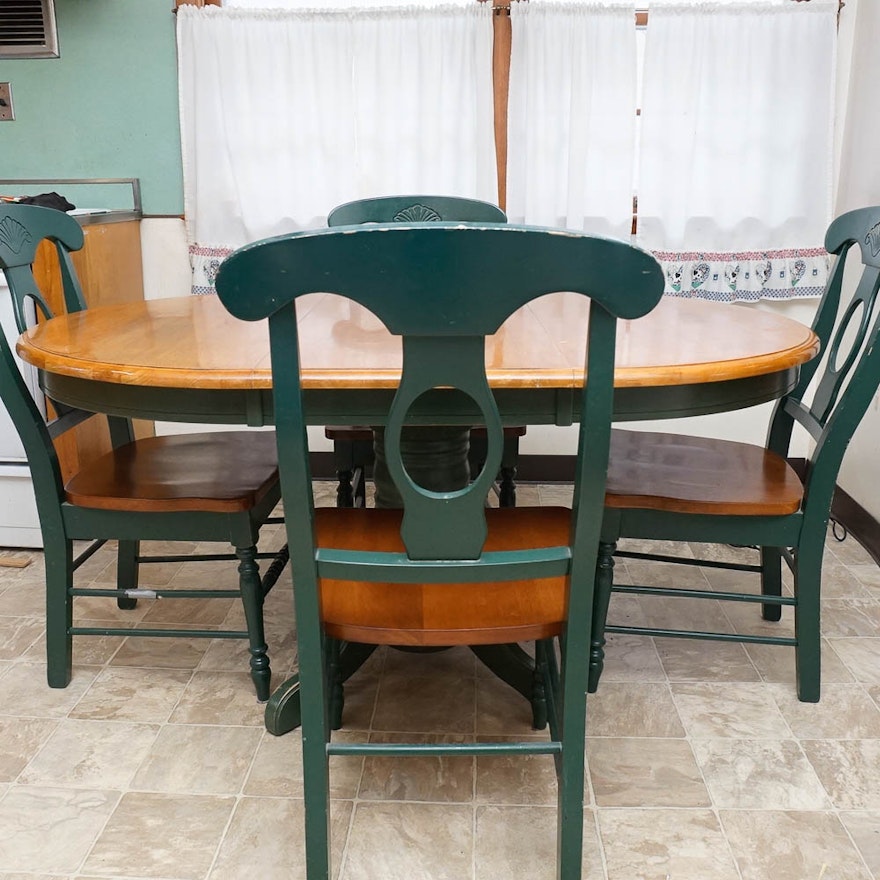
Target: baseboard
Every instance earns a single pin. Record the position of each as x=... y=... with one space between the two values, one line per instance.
x=560 y=469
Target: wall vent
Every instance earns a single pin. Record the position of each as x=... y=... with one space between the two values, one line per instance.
x=27 y=29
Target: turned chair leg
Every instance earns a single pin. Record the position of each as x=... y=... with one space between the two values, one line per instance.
x=252 y=599
x=601 y=601
x=344 y=491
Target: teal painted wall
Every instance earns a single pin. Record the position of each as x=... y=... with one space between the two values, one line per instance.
x=106 y=108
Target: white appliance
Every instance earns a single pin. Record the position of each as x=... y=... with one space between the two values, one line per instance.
x=19 y=523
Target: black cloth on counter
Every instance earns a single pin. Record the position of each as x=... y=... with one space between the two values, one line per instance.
x=47 y=200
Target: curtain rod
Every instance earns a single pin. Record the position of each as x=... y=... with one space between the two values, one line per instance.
x=502 y=7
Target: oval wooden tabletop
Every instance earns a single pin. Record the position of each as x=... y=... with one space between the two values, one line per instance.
x=192 y=342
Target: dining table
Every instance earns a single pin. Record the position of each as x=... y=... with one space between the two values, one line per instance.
x=186 y=359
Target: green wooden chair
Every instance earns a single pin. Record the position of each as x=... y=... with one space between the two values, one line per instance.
x=193 y=487
x=679 y=488
x=357 y=447
x=444 y=570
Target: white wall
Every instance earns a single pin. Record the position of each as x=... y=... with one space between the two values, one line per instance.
x=859 y=185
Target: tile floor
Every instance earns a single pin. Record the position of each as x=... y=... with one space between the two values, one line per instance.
x=154 y=763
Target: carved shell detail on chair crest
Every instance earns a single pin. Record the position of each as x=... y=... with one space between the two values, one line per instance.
x=13 y=235
x=872 y=239
x=417 y=214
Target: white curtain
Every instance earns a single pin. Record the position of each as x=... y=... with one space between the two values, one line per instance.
x=735 y=166
x=286 y=113
x=571 y=131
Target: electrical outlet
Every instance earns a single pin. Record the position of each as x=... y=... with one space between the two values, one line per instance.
x=7 y=114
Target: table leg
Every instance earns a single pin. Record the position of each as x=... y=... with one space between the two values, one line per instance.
x=282 y=711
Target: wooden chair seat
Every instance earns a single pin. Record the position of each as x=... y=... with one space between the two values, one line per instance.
x=224 y=472
x=442 y=614
x=679 y=473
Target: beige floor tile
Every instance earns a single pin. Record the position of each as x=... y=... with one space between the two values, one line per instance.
x=29 y=876
x=50 y=830
x=861 y=656
x=277 y=768
x=220 y=575
x=633 y=709
x=777 y=663
x=864 y=828
x=91 y=754
x=170 y=653
x=750 y=774
x=17 y=634
x=698 y=660
x=665 y=845
x=773 y=845
x=729 y=710
x=425 y=704
x=848 y=770
x=445 y=663
x=227 y=654
x=631 y=658
x=87 y=650
x=24 y=599
x=437 y=778
x=868 y=574
x=23 y=691
x=22 y=738
x=198 y=759
x=104 y=608
x=846 y=711
x=395 y=841
x=666 y=548
x=219 y=698
x=196 y=612
x=516 y=779
x=849 y=551
x=182 y=835
x=266 y=839
x=649 y=772
x=555 y=495
x=519 y=843
x=501 y=710
x=121 y=694
x=850 y=617
x=361 y=692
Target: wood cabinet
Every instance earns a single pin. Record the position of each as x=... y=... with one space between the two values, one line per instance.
x=110 y=271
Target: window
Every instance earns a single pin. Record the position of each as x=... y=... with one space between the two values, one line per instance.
x=27 y=29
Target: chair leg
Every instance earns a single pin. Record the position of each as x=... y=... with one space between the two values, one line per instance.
x=808 y=653
x=507 y=487
x=601 y=601
x=127 y=573
x=335 y=687
x=316 y=767
x=570 y=771
x=771 y=580
x=539 y=687
x=344 y=493
x=252 y=599
x=59 y=610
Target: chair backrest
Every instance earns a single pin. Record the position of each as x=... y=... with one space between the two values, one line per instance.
x=415 y=209
x=427 y=282
x=849 y=362
x=22 y=228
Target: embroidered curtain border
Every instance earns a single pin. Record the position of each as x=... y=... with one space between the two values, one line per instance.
x=747 y=276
